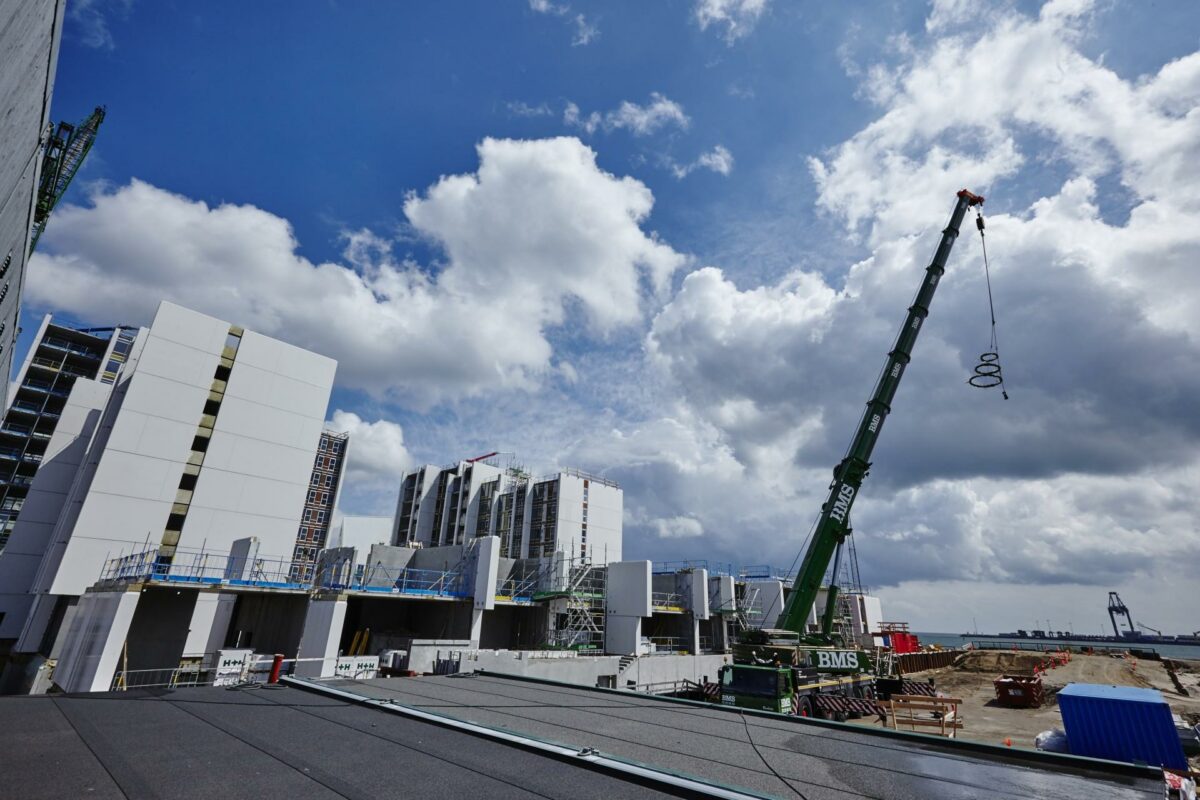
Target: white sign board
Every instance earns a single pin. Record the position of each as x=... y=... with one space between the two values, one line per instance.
x=357 y=667
x=231 y=666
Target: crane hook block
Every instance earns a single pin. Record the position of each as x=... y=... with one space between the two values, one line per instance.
x=979 y=222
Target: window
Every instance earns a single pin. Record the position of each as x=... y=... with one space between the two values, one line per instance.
x=324 y=443
x=321 y=516
x=308 y=514
x=3 y=272
x=312 y=495
x=316 y=479
x=337 y=447
x=329 y=480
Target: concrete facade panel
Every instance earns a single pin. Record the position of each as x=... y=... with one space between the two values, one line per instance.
x=136 y=476
x=162 y=397
x=283 y=392
x=177 y=362
x=252 y=457
x=190 y=328
x=282 y=358
x=244 y=418
x=629 y=590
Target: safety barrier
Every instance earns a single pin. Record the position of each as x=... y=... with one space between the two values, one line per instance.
x=919 y=662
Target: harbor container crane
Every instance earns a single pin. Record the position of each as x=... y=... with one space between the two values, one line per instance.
x=1115 y=608
x=801 y=658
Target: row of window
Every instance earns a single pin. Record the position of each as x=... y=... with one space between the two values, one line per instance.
x=321 y=498
x=327 y=462
x=335 y=446
x=314 y=515
x=326 y=480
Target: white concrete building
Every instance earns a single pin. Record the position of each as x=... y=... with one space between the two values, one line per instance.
x=569 y=514
x=30 y=32
x=206 y=438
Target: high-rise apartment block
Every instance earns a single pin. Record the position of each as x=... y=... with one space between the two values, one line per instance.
x=569 y=513
x=323 y=489
x=29 y=38
x=206 y=437
x=59 y=355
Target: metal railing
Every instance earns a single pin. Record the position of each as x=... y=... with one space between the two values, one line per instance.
x=713 y=567
x=519 y=589
x=200 y=567
x=666 y=644
x=666 y=601
x=255 y=668
x=379 y=578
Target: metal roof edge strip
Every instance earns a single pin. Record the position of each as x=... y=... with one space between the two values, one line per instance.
x=1037 y=758
x=588 y=758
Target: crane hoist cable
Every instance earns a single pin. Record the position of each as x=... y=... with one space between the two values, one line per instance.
x=987 y=372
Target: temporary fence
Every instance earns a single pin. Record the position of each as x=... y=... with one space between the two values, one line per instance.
x=930 y=659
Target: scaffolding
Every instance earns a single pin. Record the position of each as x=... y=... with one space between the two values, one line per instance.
x=575 y=591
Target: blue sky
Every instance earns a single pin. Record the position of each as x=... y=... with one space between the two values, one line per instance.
x=693 y=290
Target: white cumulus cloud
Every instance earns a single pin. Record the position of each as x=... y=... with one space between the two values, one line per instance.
x=719 y=160
x=537 y=235
x=640 y=120
x=377 y=455
x=736 y=17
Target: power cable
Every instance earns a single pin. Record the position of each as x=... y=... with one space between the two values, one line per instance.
x=766 y=763
x=987 y=372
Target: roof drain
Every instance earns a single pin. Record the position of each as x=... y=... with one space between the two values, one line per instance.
x=589 y=754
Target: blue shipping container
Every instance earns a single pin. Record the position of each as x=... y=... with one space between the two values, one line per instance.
x=1120 y=723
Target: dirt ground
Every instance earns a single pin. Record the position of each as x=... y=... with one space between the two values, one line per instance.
x=971 y=681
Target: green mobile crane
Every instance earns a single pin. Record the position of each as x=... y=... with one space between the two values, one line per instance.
x=779 y=669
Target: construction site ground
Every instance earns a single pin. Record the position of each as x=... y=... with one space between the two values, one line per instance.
x=970 y=679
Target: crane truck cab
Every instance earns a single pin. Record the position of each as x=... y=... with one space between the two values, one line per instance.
x=791 y=690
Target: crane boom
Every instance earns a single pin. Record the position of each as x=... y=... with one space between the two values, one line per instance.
x=65 y=151
x=833 y=526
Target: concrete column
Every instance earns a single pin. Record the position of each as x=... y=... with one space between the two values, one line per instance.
x=770 y=599
x=696 y=584
x=487 y=567
x=322 y=634
x=627 y=602
x=722 y=602
x=209 y=624
x=91 y=651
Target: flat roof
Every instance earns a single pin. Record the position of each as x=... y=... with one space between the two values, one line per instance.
x=264 y=743
x=779 y=756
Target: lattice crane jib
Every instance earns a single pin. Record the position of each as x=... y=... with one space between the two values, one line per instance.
x=65 y=149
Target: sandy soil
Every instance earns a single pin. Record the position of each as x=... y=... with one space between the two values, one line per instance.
x=971 y=681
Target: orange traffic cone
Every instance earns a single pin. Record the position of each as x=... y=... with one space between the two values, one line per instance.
x=1007 y=742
